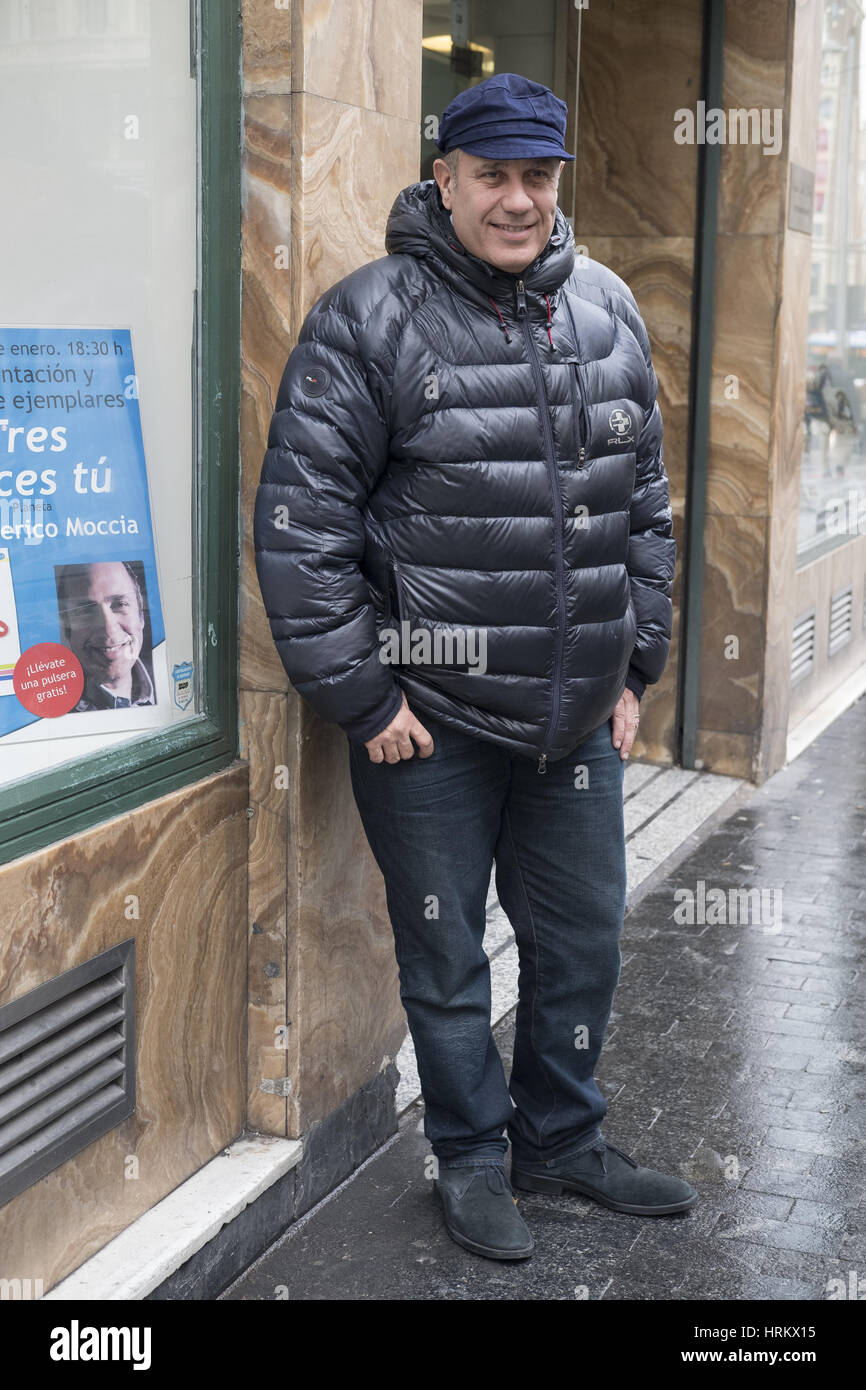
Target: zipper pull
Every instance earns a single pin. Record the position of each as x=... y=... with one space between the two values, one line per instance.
x=542 y=763
x=521 y=300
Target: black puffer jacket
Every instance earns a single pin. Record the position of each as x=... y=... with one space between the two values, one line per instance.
x=457 y=448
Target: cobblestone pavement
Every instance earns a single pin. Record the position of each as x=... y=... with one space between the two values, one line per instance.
x=735 y=1056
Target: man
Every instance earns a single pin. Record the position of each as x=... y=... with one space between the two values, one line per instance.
x=466 y=440
x=102 y=620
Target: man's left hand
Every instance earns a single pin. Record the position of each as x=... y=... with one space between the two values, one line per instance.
x=625 y=721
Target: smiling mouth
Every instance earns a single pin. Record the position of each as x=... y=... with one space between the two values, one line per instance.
x=112 y=649
x=510 y=227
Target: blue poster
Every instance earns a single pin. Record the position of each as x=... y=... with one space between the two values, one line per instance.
x=81 y=624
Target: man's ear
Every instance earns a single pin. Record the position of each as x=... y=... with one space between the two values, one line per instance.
x=442 y=175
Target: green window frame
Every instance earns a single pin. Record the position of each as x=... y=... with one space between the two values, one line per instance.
x=82 y=793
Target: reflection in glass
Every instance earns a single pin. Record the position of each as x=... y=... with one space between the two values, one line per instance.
x=466 y=41
x=833 y=474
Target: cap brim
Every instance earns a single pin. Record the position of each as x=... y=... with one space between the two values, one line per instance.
x=512 y=147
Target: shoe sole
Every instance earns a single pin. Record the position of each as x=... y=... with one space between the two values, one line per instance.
x=492 y=1252
x=555 y=1187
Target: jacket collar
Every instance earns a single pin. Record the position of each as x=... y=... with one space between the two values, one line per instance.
x=419 y=225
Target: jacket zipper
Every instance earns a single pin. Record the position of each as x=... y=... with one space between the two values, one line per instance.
x=550 y=459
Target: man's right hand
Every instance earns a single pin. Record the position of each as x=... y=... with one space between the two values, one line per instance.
x=395 y=741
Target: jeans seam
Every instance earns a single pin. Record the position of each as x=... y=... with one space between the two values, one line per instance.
x=562 y=1158
x=542 y=1067
x=573 y=1153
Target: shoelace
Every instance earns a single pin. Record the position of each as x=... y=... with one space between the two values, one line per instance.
x=599 y=1147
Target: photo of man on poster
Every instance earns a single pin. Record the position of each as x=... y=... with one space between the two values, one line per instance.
x=103 y=619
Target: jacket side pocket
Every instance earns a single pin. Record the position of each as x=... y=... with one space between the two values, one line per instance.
x=395 y=594
x=631 y=609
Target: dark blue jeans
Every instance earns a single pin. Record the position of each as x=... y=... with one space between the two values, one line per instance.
x=436 y=826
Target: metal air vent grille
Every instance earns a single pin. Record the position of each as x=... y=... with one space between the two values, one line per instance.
x=803 y=647
x=67 y=1066
x=841 y=614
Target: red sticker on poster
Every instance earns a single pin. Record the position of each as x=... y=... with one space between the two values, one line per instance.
x=48 y=679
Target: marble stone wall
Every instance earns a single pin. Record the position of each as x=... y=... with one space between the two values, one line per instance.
x=331 y=134
x=184 y=860
x=772 y=57
x=635 y=210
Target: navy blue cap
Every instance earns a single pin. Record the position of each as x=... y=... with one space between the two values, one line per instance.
x=505 y=117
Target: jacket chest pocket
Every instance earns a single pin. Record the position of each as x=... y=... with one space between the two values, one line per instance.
x=582 y=422
x=579 y=413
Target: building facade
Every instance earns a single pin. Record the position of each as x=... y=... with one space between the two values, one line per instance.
x=194 y=944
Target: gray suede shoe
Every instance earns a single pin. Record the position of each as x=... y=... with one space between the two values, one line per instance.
x=481 y=1212
x=611 y=1178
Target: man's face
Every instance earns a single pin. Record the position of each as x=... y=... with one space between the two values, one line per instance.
x=103 y=624
x=503 y=209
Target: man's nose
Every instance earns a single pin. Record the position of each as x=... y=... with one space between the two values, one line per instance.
x=111 y=621
x=516 y=199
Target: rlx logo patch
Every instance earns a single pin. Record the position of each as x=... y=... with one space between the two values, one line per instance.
x=620 y=423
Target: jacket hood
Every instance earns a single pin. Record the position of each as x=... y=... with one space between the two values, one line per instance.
x=419 y=225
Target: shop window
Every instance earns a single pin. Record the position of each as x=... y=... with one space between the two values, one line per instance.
x=119 y=366
x=833 y=473
x=466 y=41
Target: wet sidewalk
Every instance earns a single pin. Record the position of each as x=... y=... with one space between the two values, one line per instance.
x=735 y=1056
